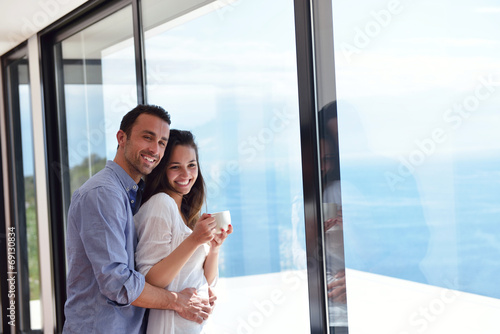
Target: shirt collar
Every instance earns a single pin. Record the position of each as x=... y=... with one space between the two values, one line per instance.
x=133 y=189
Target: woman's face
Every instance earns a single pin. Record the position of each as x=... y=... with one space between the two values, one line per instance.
x=182 y=169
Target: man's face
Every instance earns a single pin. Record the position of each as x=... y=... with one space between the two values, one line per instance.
x=145 y=146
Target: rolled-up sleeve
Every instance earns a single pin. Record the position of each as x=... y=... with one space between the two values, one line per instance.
x=108 y=240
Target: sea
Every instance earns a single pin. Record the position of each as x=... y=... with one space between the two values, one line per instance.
x=433 y=228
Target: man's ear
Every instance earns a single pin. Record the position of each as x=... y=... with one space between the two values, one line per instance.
x=121 y=137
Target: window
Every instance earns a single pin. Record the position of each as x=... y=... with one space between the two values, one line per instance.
x=97 y=65
x=89 y=65
x=226 y=71
x=416 y=89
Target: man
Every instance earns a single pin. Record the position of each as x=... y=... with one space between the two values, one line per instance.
x=105 y=293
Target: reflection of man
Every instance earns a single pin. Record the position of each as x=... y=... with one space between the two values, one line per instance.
x=332 y=211
x=105 y=293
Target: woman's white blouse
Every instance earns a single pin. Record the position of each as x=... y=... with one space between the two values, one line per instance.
x=160 y=229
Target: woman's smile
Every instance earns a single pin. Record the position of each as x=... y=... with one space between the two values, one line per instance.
x=182 y=169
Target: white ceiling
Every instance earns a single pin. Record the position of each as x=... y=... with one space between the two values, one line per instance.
x=21 y=19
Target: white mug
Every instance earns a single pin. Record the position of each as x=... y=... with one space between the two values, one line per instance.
x=223 y=220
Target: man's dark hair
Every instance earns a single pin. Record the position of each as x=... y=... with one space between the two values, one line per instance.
x=129 y=119
x=328 y=112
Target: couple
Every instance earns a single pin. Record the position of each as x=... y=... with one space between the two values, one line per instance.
x=106 y=294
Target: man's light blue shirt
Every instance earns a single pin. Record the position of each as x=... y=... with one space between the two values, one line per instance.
x=100 y=245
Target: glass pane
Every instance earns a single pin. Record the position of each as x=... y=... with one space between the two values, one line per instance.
x=417 y=99
x=26 y=214
x=332 y=219
x=98 y=69
x=227 y=72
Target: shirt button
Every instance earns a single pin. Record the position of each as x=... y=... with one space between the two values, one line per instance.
x=134 y=187
x=132 y=201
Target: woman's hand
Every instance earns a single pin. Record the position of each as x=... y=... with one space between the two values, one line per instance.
x=337 y=288
x=204 y=230
x=212 y=260
x=334 y=221
x=219 y=238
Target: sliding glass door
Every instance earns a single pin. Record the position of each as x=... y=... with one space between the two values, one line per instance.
x=416 y=95
x=226 y=70
x=96 y=66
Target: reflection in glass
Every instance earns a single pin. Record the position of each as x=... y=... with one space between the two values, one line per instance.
x=99 y=88
x=332 y=216
x=417 y=88
x=226 y=71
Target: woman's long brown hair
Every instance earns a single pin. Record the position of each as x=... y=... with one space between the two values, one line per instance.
x=157 y=181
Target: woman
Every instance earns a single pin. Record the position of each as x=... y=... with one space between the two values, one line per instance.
x=177 y=247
